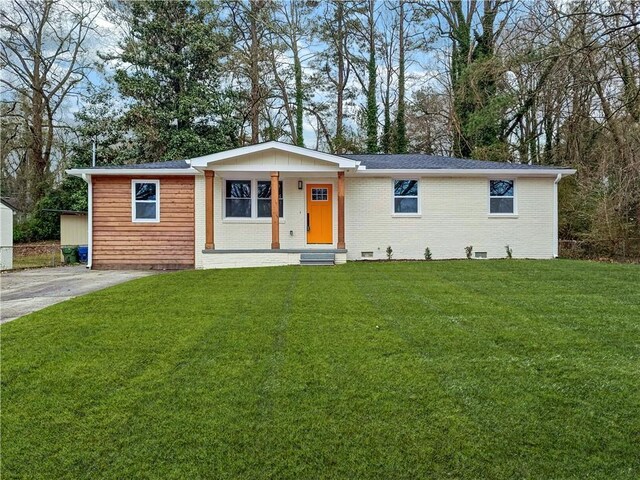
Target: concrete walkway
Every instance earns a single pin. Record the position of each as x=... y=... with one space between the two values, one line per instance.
x=26 y=291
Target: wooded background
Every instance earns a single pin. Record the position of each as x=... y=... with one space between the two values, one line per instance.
x=545 y=82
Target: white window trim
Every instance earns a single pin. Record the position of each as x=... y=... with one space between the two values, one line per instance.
x=393 y=199
x=133 y=201
x=254 y=218
x=513 y=214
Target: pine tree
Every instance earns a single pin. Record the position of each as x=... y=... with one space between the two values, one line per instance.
x=174 y=51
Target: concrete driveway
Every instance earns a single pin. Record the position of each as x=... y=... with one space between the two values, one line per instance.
x=26 y=291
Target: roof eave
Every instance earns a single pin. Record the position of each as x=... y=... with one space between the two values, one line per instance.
x=466 y=172
x=81 y=172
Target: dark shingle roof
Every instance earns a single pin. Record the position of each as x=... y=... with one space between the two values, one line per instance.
x=408 y=161
x=7 y=202
x=414 y=161
x=152 y=165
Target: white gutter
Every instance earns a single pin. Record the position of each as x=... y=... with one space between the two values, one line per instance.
x=555 y=215
x=87 y=178
x=464 y=172
x=79 y=172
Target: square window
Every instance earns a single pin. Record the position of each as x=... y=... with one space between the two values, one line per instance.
x=145 y=191
x=319 y=194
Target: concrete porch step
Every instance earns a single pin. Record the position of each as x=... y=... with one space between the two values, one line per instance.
x=320 y=258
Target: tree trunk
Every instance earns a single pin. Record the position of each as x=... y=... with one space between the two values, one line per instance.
x=297 y=65
x=339 y=143
x=401 y=129
x=254 y=71
x=372 y=103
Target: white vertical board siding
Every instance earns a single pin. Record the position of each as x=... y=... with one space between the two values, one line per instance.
x=454 y=214
x=274 y=160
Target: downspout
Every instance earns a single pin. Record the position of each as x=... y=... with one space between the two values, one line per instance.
x=555 y=215
x=87 y=178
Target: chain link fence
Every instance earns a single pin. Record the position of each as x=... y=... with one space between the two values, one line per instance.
x=33 y=255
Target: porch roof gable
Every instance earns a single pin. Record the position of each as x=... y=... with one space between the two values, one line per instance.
x=210 y=161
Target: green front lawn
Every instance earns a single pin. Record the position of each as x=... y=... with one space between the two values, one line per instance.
x=463 y=369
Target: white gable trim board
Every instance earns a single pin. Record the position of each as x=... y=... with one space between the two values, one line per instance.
x=265 y=150
x=450 y=210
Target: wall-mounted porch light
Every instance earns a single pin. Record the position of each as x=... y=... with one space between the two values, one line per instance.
x=299 y=184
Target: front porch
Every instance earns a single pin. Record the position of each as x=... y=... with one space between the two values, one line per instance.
x=270 y=257
x=269 y=208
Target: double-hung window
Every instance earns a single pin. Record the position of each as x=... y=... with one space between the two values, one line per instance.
x=405 y=196
x=502 y=197
x=238 y=198
x=250 y=199
x=145 y=200
x=264 y=199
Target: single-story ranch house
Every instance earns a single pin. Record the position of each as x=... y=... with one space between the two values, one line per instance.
x=277 y=204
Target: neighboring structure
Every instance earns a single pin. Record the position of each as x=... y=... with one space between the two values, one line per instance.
x=271 y=203
x=73 y=228
x=7 y=211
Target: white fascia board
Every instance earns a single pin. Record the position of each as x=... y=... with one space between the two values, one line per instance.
x=463 y=172
x=79 y=172
x=283 y=147
x=279 y=168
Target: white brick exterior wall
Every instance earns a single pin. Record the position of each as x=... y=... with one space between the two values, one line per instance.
x=453 y=214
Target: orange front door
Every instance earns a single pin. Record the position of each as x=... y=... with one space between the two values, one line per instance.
x=319 y=213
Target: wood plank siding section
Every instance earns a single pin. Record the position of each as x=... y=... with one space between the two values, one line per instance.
x=118 y=242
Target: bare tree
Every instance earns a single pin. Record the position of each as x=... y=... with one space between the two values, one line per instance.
x=290 y=26
x=333 y=31
x=44 y=61
x=248 y=21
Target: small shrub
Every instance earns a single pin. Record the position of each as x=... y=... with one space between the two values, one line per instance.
x=427 y=253
x=389 y=252
x=509 y=251
x=468 y=250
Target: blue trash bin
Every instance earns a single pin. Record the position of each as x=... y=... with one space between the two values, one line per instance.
x=83 y=253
